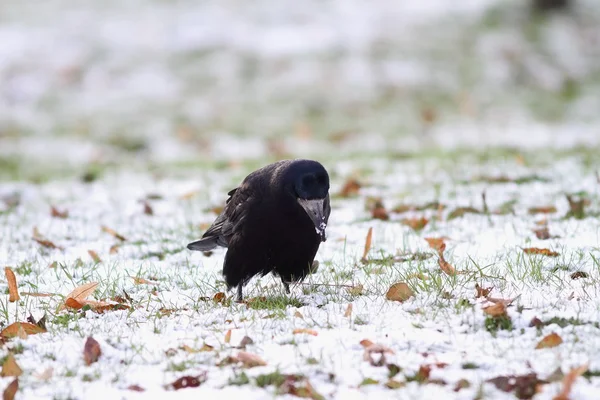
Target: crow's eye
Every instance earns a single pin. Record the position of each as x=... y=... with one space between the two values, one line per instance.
x=321 y=179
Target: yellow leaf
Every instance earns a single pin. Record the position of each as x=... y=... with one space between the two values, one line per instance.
x=348 y=312
x=551 y=340
x=367 y=244
x=10 y=367
x=13 y=292
x=305 y=330
x=399 y=292
x=355 y=290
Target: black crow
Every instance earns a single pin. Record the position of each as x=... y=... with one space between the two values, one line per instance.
x=273 y=222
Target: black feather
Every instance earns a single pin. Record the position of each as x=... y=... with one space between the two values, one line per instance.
x=273 y=222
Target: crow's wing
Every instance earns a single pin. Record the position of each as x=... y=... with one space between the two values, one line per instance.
x=228 y=222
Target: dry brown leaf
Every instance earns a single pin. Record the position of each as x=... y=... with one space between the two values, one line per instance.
x=188 y=382
x=415 y=223
x=13 y=292
x=74 y=304
x=58 y=214
x=136 y=388
x=148 y=209
x=356 y=290
x=446 y=266
x=79 y=294
x=297 y=314
x=375 y=354
x=13 y=329
x=495 y=310
x=205 y=347
x=91 y=351
x=141 y=281
x=379 y=212
x=10 y=367
x=113 y=233
x=569 y=380
x=542 y=210
x=367 y=244
x=114 y=249
x=219 y=297
x=366 y=343
x=551 y=340
x=228 y=336
x=481 y=291
x=350 y=188
x=437 y=244
x=250 y=360
x=542 y=233
x=47 y=243
x=399 y=292
x=11 y=390
x=246 y=340
x=544 y=252
x=305 y=330
x=94 y=256
x=348 y=312
x=417 y=275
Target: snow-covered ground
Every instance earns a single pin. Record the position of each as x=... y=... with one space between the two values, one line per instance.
x=134 y=119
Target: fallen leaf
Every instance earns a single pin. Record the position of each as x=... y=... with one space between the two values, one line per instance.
x=136 y=388
x=348 y=312
x=367 y=244
x=536 y=323
x=415 y=223
x=462 y=384
x=366 y=343
x=219 y=297
x=495 y=310
x=297 y=314
x=58 y=214
x=205 y=347
x=94 y=256
x=13 y=292
x=298 y=386
x=141 y=281
x=569 y=380
x=579 y=274
x=10 y=367
x=399 y=292
x=350 y=188
x=13 y=329
x=305 y=330
x=11 y=390
x=246 y=340
x=542 y=210
x=380 y=213
x=78 y=295
x=446 y=266
x=91 y=351
x=544 y=252
x=250 y=360
x=375 y=354
x=482 y=292
x=355 y=290
x=549 y=341
x=188 y=382
x=228 y=336
x=417 y=275
x=524 y=386
x=113 y=233
x=437 y=244
x=45 y=242
x=114 y=249
x=148 y=209
x=542 y=233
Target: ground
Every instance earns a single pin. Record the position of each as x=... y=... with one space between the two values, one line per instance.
x=118 y=148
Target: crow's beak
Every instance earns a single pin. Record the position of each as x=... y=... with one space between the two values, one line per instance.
x=315 y=210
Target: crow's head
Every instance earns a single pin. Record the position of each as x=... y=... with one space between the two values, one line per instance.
x=310 y=183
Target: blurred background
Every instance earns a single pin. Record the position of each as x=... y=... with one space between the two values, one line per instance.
x=158 y=83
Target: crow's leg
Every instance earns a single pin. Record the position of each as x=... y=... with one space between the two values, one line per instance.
x=286 y=286
x=239 y=293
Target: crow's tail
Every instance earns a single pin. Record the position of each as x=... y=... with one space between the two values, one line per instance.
x=204 y=244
